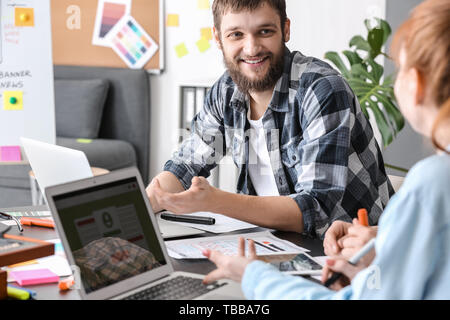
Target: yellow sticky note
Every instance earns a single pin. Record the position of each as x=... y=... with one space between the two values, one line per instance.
x=24 y=17
x=206 y=33
x=203 y=4
x=173 y=20
x=181 y=50
x=12 y=100
x=203 y=45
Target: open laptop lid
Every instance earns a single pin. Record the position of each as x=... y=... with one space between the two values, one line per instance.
x=109 y=231
x=53 y=165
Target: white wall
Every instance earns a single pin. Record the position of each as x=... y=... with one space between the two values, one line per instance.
x=316 y=27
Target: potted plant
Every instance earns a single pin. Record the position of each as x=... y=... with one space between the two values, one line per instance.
x=365 y=77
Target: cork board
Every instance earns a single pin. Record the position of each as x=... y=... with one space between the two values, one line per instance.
x=73 y=46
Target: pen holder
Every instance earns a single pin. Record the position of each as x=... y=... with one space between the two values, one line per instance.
x=3 y=283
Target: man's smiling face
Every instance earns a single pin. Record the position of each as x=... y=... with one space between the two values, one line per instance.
x=252 y=43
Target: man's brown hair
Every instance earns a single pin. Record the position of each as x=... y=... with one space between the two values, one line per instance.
x=220 y=7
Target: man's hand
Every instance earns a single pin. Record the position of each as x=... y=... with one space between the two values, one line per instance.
x=337 y=230
x=199 y=197
x=232 y=268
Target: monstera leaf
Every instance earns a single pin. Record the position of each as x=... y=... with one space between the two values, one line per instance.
x=365 y=77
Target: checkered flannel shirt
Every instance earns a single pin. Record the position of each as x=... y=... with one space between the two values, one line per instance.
x=321 y=146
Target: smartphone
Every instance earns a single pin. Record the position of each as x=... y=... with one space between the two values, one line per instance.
x=301 y=264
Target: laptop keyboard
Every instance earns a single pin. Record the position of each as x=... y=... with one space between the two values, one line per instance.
x=178 y=288
x=39 y=214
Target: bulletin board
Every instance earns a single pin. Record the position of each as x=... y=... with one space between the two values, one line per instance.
x=26 y=75
x=74 y=45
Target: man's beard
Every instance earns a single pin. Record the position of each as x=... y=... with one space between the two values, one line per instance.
x=267 y=82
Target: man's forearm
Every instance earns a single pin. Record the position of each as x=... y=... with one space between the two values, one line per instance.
x=169 y=182
x=281 y=213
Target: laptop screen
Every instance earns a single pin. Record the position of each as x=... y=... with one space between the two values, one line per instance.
x=109 y=232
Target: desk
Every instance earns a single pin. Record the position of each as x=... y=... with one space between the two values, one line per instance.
x=51 y=292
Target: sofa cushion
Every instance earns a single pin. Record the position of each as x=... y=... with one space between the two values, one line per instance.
x=79 y=107
x=103 y=153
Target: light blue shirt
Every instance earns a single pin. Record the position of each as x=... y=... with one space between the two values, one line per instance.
x=412 y=246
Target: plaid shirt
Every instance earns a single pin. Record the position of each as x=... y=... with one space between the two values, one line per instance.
x=321 y=146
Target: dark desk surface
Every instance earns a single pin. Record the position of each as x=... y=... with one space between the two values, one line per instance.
x=51 y=291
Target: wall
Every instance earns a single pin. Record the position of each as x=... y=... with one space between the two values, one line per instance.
x=408 y=142
x=316 y=27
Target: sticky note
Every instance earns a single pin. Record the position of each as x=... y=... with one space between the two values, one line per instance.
x=22 y=264
x=12 y=100
x=35 y=276
x=173 y=20
x=86 y=141
x=24 y=17
x=203 y=4
x=181 y=50
x=203 y=45
x=206 y=33
x=10 y=154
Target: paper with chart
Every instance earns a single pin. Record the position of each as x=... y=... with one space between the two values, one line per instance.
x=265 y=242
x=223 y=223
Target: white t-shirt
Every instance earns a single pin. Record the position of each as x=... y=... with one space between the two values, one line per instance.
x=260 y=168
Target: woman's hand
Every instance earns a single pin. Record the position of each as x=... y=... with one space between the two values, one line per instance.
x=357 y=236
x=348 y=271
x=232 y=268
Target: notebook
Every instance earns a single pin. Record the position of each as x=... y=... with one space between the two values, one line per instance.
x=110 y=234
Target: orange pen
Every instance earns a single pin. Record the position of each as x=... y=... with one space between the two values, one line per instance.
x=27 y=221
x=363 y=217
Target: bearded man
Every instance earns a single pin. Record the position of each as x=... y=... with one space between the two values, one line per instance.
x=305 y=151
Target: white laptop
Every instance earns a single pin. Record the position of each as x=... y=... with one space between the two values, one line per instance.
x=110 y=233
x=53 y=165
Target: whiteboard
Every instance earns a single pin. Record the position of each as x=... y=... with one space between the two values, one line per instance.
x=26 y=72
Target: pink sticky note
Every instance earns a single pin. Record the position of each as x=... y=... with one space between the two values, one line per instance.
x=37 y=276
x=10 y=154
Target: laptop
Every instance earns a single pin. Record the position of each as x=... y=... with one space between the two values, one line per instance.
x=109 y=231
x=53 y=165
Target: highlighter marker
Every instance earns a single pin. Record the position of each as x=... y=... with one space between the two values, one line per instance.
x=18 y=294
x=363 y=217
x=31 y=292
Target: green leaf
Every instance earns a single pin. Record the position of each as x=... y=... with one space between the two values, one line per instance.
x=337 y=61
x=358 y=71
x=382 y=124
x=395 y=117
x=375 y=40
x=360 y=43
x=376 y=70
x=380 y=24
x=352 y=57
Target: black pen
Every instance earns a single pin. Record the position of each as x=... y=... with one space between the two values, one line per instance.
x=188 y=218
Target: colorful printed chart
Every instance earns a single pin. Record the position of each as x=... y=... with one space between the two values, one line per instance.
x=109 y=12
x=133 y=45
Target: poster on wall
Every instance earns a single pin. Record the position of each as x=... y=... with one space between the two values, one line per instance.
x=109 y=12
x=131 y=43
